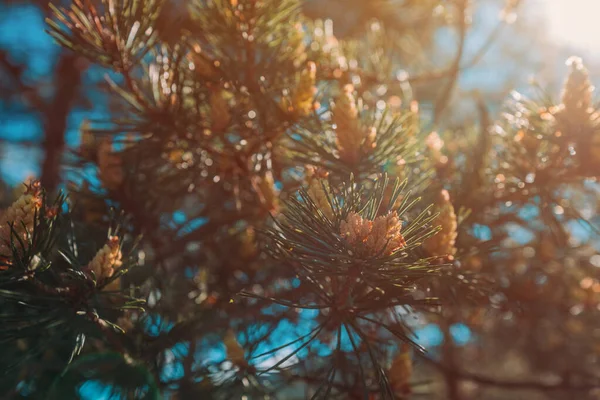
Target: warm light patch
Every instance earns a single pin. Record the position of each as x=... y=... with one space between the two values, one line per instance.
x=573 y=22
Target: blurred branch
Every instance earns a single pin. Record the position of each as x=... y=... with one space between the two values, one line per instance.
x=452 y=383
x=68 y=80
x=442 y=101
x=453 y=70
x=15 y=72
x=472 y=196
x=563 y=384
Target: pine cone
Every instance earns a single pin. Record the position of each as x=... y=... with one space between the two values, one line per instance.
x=577 y=91
x=355 y=229
x=303 y=95
x=315 y=178
x=351 y=139
x=21 y=214
x=106 y=261
x=443 y=243
x=268 y=193
x=373 y=238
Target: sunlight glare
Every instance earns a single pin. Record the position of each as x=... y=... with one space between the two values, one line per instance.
x=574 y=23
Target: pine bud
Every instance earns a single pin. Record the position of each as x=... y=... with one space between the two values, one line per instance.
x=345 y=113
x=355 y=229
x=443 y=243
x=107 y=260
x=21 y=214
x=219 y=109
x=385 y=234
x=22 y=189
x=351 y=139
x=267 y=191
x=577 y=91
x=373 y=238
x=577 y=117
x=110 y=165
x=303 y=95
x=316 y=191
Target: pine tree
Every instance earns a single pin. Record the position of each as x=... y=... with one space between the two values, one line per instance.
x=273 y=211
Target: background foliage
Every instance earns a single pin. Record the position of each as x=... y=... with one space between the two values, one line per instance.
x=285 y=199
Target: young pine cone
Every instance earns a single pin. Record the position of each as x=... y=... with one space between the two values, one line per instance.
x=21 y=214
x=302 y=98
x=106 y=261
x=577 y=119
x=267 y=192
x=351 y=138
x=443 y=243
x=316 y=180
x=577 y=91
x=380 y=237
